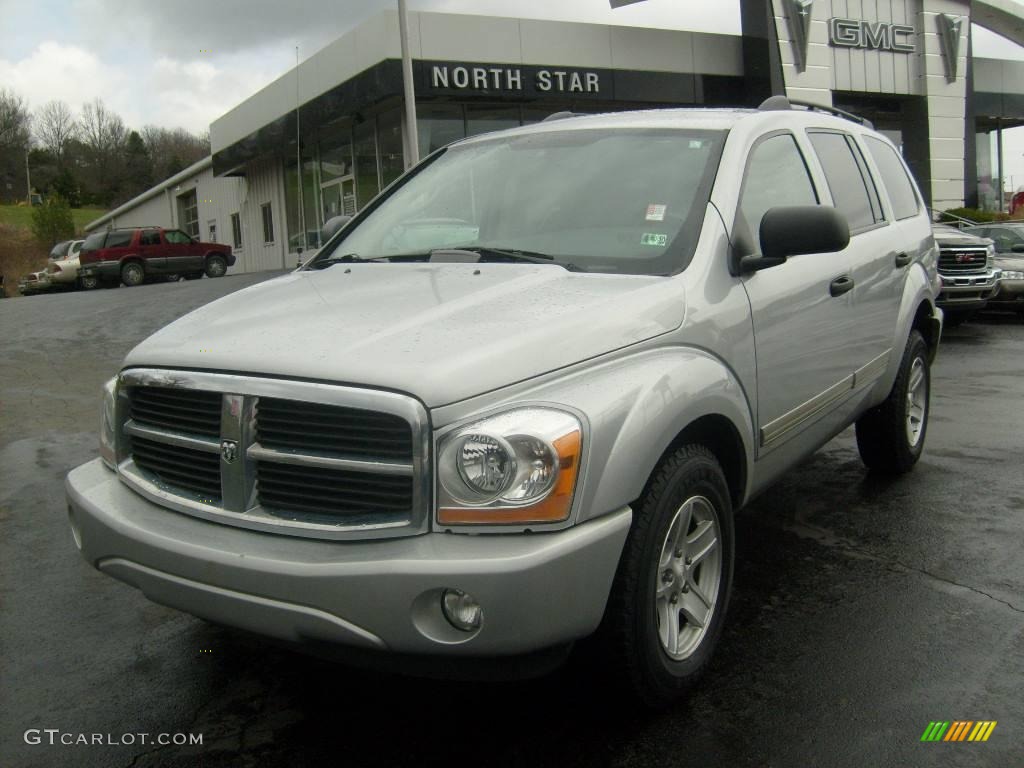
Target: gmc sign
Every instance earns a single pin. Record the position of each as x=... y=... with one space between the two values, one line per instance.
x=879 y=36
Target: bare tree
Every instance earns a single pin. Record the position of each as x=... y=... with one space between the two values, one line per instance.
x=54 y=126
x=15 y=136
x=104 y=136
x=174 y=149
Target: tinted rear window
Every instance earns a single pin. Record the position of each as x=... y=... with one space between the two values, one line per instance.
x=119 y=239
x=853 y=194
x=895 y=178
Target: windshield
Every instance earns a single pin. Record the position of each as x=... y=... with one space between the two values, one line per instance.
x=626 y=201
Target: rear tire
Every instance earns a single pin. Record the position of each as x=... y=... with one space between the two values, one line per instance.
x=671 y=591
x=890 y=437
x=132 y=274
x=216 y=265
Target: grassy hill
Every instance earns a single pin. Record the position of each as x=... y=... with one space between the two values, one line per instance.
x=19 y=252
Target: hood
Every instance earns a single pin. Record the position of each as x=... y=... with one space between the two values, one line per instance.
x=441 y=332
x=947 y=236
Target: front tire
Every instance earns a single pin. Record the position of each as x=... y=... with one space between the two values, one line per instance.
x=132 y=274
x=671 y=591
x=216 y=266
x=90 y=283
x=890 y=437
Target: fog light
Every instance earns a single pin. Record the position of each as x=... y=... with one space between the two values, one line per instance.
x=462 y=610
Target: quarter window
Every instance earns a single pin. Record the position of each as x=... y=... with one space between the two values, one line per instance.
x=119 y=239
x=853 y=191
x=776 y=175
x=895 y=177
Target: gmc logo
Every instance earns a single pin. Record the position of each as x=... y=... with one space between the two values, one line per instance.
x=964 y=258
x=881 y=36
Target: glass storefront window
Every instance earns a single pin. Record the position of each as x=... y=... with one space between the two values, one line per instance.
x=389 y=143
x=365 y=145
x=484 y=119
x=438 y=125
x=336 y=156
x=309 y=217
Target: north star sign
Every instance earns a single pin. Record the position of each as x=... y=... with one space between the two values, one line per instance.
x=880 y=36
x=488 y=77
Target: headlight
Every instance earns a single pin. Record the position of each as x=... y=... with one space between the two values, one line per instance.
x=516 y=467
x=108 y=420
x=990 y=255
x=1011 y=275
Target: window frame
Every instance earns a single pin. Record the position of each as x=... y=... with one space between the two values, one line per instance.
x=236 y=231
x=861 y=166
x=267 y=215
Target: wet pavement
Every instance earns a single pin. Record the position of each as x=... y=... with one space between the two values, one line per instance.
x=863 y=609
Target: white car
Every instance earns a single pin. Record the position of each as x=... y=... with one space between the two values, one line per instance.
x=63 y=266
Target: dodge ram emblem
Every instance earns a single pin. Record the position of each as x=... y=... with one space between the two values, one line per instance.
x=228 y=450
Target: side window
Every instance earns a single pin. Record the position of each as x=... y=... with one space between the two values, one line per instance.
x=905 y=202
x=119 y=239
x=853 y=192
x=177 y=237
x=776 y=175
x=149 y=237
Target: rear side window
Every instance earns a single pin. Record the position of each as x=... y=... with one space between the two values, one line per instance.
x=853 y=190
x=776 y=175
x=119 y=239
x=149 y=237
x=894 y=175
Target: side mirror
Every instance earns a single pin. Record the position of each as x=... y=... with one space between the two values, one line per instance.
x=1018 y=248
x=332 y=225
x=795 y=230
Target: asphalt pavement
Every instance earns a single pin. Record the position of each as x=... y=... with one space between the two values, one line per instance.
x=863 y=609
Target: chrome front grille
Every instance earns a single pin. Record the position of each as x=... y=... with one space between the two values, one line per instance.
x=292 y=457
x=963 y=261
x=183 y=410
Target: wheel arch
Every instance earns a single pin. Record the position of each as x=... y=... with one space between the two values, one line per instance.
x=719 y=435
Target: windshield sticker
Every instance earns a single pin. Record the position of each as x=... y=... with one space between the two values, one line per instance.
x=655 y=212
x=651 y=238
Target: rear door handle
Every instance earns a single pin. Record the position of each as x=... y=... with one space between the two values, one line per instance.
x=840 y=285
x=902 y=259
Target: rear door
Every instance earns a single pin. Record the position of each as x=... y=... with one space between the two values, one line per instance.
x=151 y=250
x=878 y=253
x=182 y=252
x=800 y=327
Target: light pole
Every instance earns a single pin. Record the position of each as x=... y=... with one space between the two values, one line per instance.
x=413 y=143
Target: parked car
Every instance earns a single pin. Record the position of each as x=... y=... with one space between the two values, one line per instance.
x=1008 y=238
x=538 y=426
x=131 y=256
x=968 y=271
x=34 y=282
x=63 y=270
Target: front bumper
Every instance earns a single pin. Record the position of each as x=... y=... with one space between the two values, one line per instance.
x=967 y=292
x=28 y=287
x=536 y=590
x=1009 y=295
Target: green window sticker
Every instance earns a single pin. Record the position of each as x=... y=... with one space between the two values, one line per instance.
x=651 y=238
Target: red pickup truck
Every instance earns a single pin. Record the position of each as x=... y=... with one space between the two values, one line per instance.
x=130 y=256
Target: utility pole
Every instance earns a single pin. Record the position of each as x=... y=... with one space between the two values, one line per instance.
x=28 y=179
x=413 y=144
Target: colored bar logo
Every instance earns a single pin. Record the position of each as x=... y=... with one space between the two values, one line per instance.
x=959 y=730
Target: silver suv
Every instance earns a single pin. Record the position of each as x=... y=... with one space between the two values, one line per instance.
x=516 y=401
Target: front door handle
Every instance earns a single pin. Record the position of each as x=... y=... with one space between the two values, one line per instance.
x=902 y=259
x=840 y=285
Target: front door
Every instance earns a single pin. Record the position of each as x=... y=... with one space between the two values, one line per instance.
x=183 y=255
x=800 y=311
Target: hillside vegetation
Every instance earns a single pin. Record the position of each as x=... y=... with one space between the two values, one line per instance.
x=19 y=251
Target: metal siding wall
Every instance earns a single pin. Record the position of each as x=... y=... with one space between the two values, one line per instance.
x=263 y=183
x=874 y=71
x=153 y=212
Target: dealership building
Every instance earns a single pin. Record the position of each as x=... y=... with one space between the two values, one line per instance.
x=326 y=137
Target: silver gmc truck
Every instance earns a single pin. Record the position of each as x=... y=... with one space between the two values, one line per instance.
x=517 y=399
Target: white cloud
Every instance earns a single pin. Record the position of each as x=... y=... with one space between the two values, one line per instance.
x=59 y=71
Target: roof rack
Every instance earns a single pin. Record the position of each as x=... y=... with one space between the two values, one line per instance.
x=782 y=103
x=559 y=116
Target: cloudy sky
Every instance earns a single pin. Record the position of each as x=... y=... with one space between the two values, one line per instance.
x=185 y=62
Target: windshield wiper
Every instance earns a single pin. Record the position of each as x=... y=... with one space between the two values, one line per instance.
x=517 y=254
x=348 y=258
